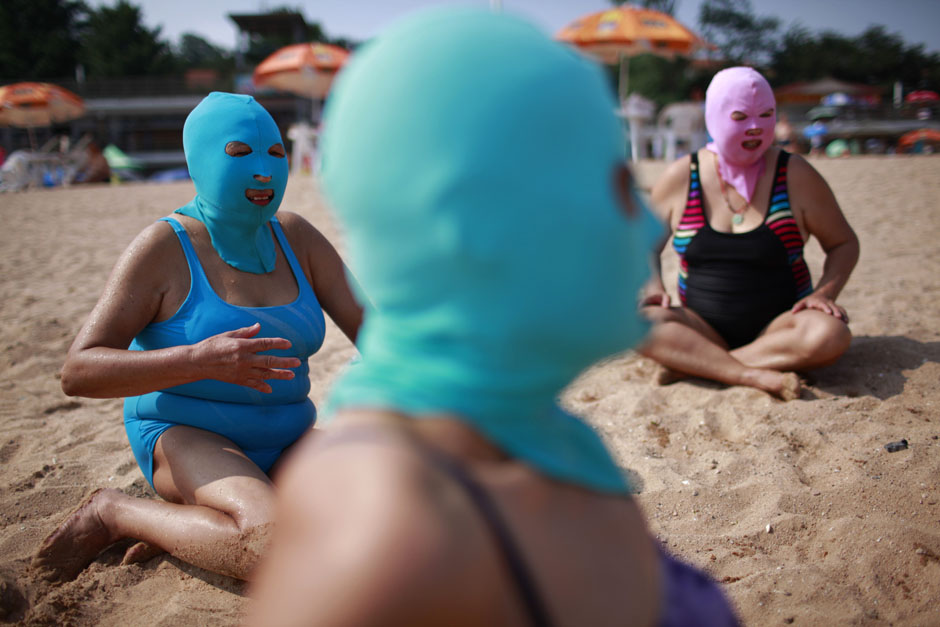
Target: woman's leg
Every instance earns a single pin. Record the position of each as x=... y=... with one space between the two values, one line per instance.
x=218 y=509
x=682 y=341
x=802 y=341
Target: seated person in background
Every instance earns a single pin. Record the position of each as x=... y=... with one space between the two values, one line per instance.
x=740 y=211
x=477 y=168
x=783 y=133
x=96 y=168
x=205 y=326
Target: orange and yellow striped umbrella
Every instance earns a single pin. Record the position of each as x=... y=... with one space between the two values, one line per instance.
x=616 y=35
x=28 y=105
x=304 y=69
x=629 y=30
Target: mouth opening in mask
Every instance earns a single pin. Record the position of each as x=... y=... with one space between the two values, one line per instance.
x=261 y=197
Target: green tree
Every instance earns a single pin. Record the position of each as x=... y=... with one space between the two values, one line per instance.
x=875 y=57
x=741 y=36
x=194 y=51
x=38 y=38
x=116 y=43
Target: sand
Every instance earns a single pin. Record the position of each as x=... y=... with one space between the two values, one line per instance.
x=796 y=507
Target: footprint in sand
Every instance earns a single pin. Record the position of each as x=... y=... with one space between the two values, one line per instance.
x=66 y=406
x=8 y=450
x=13 y=603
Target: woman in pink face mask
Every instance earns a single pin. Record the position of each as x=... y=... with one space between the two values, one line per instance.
x=741 y=210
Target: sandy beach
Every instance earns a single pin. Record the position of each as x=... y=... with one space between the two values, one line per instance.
x=797 y=508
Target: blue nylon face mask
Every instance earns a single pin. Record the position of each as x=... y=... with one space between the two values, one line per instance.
x=237 y=226
x=472 y=161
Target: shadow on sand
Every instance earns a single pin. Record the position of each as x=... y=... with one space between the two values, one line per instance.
x=875 y=366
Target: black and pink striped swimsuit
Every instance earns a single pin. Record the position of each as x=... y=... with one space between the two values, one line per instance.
x=740 y=282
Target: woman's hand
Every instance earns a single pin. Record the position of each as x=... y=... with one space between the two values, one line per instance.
x=655 y=299
x=233 y=357
x=823 y=304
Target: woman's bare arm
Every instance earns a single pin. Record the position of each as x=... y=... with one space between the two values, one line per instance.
x=98 y=364
x=667 y=196
x=328 y=274
x=823 y=219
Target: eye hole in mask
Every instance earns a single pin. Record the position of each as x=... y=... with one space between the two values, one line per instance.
x=241 y=149
x=738 y=116
x=237 y=149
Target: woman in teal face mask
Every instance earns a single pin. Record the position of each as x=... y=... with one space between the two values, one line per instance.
x=205 y=328
x=498 y=237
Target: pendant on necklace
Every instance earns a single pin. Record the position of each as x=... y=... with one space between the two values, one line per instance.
x=737 y=218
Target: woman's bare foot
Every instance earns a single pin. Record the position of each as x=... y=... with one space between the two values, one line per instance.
x=76 y=542
x=784 y=385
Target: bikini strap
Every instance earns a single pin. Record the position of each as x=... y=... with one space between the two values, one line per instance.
x=500 y=531
x=489 y=512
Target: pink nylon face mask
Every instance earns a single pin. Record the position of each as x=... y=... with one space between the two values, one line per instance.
x=740 y=144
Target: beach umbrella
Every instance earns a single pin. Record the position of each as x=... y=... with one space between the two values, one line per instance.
x=31 y=105
x=822 y=112
x=615 y=35
x=922 y=96
x=924 y=135
x=304 y=69
x=815 y=129
x=119 y=160
x=836 y=99
x=837 y=148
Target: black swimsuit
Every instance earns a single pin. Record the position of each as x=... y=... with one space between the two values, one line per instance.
x=740 y=282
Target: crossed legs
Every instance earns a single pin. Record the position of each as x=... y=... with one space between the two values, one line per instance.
x=684 y=343
x=216 y=514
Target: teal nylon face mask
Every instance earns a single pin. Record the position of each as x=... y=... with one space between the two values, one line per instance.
x=472 y=161
x=237 y=226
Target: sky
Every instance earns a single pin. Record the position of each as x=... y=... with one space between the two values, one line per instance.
x=917 y=21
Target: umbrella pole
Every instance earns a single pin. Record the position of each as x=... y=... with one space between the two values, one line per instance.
x=623 y=81
x=32 y=138
x=623 y=87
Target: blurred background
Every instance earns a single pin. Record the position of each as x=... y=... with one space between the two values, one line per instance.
x=113 y=81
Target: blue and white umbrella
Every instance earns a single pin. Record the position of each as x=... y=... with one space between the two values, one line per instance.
x=836 y=99
x=815 y=129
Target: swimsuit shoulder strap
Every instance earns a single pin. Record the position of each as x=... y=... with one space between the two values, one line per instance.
x=299 y=275
x=693 y=214
x=192 y=259
x=778 y=205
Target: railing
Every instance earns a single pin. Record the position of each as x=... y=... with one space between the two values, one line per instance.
x=138 y=85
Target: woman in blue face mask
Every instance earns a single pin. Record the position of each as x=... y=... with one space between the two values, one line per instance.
x=501 y=246
x=205 y=328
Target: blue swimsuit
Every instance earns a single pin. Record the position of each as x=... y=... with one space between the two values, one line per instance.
x=262 y=425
